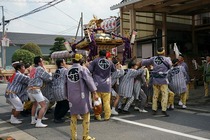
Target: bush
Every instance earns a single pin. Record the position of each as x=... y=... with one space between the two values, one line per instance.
x=33 y=48
x=23 y=55
x=58 y=45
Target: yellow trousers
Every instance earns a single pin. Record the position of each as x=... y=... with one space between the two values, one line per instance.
x=28 y=105
x=188 y=91
x=206 y=88
x=170 y=98
x=183 y=98
x=105 y=97
x=157 y=89
x=85 y=125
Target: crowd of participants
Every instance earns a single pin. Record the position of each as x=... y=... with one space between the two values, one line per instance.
x=156 y=79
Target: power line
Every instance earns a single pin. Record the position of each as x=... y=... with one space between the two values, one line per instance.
x=71 y=29
x=39 y=20
x=65 y=14
x=48 y=5
x=36 y=26
x=45 y=37
x=23 y=1
x=60 y=32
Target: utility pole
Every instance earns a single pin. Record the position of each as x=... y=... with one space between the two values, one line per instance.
x=3 y=35
x=82 y=25
x=78 y=28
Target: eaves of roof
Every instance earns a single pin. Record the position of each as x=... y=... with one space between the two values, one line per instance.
x=121 y=4
x=172 y=7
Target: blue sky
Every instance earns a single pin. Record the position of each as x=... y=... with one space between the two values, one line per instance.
x=61 y=19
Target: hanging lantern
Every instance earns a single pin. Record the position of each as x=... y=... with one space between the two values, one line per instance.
x=5 y=42
x=113 y=23
x=68 y=47
x=107 y=25
x=133 y=36
x=103 y=25
x=110 y=24
x=114 y=51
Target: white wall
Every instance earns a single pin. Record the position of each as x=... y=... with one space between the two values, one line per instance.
x=146 y=50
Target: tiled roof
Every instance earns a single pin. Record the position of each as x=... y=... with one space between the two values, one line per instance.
x=41 y=39
x=123 y=3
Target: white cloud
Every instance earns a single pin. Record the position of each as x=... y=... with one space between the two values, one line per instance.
x=21 y=3
x=52 y=20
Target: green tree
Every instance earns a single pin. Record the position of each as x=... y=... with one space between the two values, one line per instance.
x=58 y=45
x=23 y=55
x=33 y=48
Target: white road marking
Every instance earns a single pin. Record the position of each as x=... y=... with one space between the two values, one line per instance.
x=160 y=129
x=204 y=114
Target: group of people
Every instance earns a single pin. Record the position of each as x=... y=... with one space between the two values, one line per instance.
x=71 y=90
x=77 y=87
x=167 y=79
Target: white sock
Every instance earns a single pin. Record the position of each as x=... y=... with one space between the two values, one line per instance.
x=39 y=121
x=113 y=108
x=12 y=117
x=33 y=118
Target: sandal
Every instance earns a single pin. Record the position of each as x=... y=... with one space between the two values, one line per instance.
x=89 y=138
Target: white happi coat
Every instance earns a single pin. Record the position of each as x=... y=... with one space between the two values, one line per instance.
x=17 y=84
x=127 y=82
x=59 y=84
x=177 y=77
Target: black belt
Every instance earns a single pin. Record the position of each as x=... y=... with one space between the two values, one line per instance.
x=156 y=75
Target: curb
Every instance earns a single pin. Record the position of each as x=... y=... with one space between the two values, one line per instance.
x=198 y=110
x=9 y=130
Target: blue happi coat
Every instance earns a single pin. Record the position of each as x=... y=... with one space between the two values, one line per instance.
x=79 y=86
x=101 y=69
x=161 y=65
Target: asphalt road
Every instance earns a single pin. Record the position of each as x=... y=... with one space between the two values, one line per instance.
x=180 y=125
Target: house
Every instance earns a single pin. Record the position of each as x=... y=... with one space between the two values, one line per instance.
x=161 y=23
x=44 y=41
x=165 y=22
